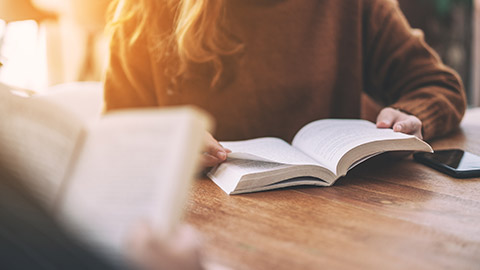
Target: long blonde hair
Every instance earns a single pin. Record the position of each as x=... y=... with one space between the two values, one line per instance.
x=195 y=34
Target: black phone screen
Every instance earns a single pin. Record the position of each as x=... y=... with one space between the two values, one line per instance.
x=455 y=162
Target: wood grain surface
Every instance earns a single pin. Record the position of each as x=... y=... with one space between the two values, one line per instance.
x=385 y=214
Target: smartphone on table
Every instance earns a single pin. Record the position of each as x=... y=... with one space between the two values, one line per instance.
x=454 y=162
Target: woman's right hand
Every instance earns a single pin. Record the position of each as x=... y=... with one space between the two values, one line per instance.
x=180 y=251
x=214 y=153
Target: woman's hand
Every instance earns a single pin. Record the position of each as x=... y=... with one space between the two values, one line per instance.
x=399 y=122
x=150 y=252
x=214 y=153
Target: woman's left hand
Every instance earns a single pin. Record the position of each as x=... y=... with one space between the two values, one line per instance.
x=399 y=122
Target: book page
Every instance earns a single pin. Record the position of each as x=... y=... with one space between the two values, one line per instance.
x=38 y=142
x=329 y=139
x=268 y=150
x=83 y=99
x=135 y=166
x=228 y=174
x=237 y=176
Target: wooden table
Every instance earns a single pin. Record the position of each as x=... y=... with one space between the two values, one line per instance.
x=383 y=215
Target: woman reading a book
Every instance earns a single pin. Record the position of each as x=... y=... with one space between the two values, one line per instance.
x=268 y=67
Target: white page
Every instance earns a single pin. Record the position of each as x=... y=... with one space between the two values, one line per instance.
x=136 y=166
x=268 y=150
x=84 y=99
x=329 y=139
x=227 y=174
x=245 y=166
x=38 y=142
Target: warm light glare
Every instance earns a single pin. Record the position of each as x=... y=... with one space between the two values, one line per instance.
x=49 y=42
x=23 y=54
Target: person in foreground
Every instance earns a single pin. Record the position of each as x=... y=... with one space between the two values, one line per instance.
x=30 y=238
x=268 y=67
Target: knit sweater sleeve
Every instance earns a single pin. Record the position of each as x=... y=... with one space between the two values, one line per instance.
x=128 y=79
x=403 y=72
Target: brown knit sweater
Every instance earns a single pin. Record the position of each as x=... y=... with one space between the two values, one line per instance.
x=303 y=60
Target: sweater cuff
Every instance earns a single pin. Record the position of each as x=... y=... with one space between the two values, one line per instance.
x=439 y=115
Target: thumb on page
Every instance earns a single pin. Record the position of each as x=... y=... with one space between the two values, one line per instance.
x=399 y=122
x=214 y=153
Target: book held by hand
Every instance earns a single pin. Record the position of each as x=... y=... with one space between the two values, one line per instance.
x=321 y=152
x=101 y=174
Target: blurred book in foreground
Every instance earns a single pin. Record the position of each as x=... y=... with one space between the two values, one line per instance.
x=101 y=176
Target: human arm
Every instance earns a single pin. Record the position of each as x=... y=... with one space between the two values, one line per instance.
x=31 y=237
x=129 y=83
x=404 y=73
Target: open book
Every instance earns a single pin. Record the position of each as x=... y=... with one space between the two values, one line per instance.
x=321 y=152
x=101 y=175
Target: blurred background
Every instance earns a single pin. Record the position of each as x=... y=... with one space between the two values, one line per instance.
x=49 y=42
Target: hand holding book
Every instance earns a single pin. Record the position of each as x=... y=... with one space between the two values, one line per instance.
x=399 y=122
x=321 y=152
x=214 y=153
